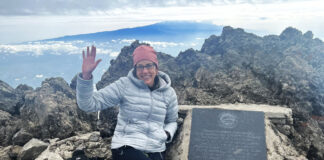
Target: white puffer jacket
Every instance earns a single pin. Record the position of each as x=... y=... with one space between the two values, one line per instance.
x=144 y=115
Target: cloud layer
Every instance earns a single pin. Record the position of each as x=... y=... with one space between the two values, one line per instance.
x=68 y=7
x=110 y=48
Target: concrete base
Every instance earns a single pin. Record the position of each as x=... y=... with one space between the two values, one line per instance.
x=279 y=114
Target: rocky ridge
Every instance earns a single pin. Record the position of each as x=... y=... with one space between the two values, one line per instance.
x=235 y=67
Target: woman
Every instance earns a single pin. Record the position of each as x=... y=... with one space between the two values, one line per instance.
x=148 y=105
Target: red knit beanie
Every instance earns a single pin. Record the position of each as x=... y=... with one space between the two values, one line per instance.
x=144 y=52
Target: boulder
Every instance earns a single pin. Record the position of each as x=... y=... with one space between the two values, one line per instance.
x=10 y=152
x=9 y=125
x=49 y=156
x=51 y=111
x=32 y=149
x=21 y=137
x=91 y=144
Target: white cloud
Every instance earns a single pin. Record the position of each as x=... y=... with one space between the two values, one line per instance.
x=128 y=41
x=114 y=54
x=51 y=47
x=103 y=51
x=39 y=76
x=163 y=44
x=39 y=48
x=193 y=44
x=50 y=7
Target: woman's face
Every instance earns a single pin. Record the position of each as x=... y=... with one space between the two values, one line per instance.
x=146 y=71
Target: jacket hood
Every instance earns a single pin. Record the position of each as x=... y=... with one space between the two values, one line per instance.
x=164 y=79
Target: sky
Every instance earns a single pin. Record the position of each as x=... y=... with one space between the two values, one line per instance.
x=28 y=20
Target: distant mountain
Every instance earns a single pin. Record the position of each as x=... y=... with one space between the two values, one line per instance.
x=176 y=31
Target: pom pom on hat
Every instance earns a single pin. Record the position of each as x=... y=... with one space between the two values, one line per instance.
x=144 y=52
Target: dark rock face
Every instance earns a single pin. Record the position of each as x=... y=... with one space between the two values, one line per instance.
x=21 y=91
x=9 y=125
x=291 y=34
x=73 y=82
x=51 y=111
x=21 y=137
x=8 y=98
x=107 y=122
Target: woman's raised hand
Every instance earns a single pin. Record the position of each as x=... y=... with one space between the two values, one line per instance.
x=89 y=64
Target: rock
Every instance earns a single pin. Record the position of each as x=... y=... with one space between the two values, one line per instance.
x=32 y=149
x=107 y=122
x=73 y=82
x=58 y=84
x=14 y=151
x=22 y=88
x=21 y=91
x=4 y=153
x=8 y=98
x=21 y=137
x=49 y=156
x=51 y=111
x=9 y=152
x=308 y=35
x=79 y=154
x=279 y=146
x=290 y=33
x=9 y=125
x=91 y=144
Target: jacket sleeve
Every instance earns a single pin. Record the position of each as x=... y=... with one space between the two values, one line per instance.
x=92 y=101
x=172 y=115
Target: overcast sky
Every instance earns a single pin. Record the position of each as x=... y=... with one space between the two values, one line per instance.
x=25 y=20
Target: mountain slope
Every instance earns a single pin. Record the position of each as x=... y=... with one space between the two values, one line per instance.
x=176 y=30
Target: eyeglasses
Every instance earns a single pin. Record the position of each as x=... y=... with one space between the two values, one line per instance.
x=149 y=67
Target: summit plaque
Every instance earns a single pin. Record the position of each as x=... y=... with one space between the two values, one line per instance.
x=227 y=135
